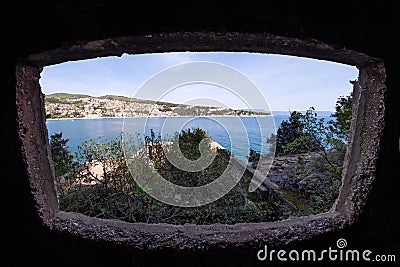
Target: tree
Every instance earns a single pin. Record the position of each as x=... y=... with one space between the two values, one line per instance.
x=317 y=137
x=343 y=115
x=62 y=158
x=292 y=137
x=340 y=126
x=303 y=133
x=316 y=175
x=189 y=141
x=254 y=158
x=154 y=149
x=114 y=194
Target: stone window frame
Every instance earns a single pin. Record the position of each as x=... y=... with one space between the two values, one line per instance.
x=360 y=165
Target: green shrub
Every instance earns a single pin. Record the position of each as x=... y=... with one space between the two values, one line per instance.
x=117 y=196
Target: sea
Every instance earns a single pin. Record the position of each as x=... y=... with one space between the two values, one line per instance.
x=236 y=134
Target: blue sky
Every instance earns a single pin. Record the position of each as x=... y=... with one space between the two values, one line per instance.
x=287 y=82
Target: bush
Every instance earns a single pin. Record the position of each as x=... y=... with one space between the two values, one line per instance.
x=115 y=195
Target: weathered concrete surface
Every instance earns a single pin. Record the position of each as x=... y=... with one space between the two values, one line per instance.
x=357 y=179
x=368 y=27
x=32 y=132
x=201 y=42
x=201 y=237
x=360 y=164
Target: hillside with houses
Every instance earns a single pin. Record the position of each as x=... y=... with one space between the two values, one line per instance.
x=63 y=105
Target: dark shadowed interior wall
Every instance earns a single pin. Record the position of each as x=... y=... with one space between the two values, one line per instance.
x=369 y=28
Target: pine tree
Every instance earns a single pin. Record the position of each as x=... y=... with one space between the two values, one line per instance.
x=62 y=158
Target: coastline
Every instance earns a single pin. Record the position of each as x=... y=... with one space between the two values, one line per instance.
x=164 y=116
x=271 y=114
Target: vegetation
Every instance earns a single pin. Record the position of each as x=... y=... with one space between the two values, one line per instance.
x=62 y=158
x=102 y=185
x=343 y=115
x=304 y=133
x=113 y=193
x=117 y=97
x=254 y=158
x=63 y=97
x=314 y=182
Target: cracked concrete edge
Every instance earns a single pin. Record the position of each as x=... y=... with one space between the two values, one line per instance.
x=157 y=236
x=358 y=178
x=200 y=42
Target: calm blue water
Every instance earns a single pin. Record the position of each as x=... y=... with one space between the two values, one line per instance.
x=237 y=135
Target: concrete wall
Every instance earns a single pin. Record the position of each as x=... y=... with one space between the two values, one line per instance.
x=355 y=25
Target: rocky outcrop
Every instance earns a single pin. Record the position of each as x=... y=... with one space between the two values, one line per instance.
x=307 y=176
x=268 y=189
x=284 y=168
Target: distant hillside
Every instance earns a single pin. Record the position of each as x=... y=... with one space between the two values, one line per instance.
x=66 y=95
x=64 y=105
x=63 y=96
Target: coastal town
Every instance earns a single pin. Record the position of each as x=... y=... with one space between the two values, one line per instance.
x=63 y=105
